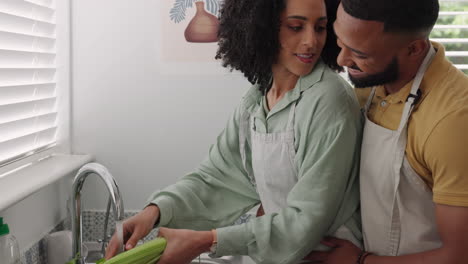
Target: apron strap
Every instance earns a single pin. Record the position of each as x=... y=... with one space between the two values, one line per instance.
x=401 y=144
x=415 y=93
x=369 y=100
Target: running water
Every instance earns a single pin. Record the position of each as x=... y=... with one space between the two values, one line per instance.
x=119 y=235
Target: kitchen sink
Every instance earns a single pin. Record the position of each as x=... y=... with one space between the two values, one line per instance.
x=205 y=259
x=92 y=251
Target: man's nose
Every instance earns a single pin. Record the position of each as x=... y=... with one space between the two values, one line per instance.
x=344 y=58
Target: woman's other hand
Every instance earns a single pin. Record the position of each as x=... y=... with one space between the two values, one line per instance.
x=134 y=229
x=260 y=211
x=184 y=245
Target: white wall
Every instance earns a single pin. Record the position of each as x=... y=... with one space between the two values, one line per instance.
x=147 y=128
x=32 y=218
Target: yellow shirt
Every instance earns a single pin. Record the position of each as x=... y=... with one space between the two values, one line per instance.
x=437 y=147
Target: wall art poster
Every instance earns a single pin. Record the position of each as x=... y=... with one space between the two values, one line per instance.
x=189 y=36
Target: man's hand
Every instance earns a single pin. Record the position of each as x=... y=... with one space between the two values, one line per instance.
x=453 y=230
x=134 y=229
x=184 y=245
x=342 y=252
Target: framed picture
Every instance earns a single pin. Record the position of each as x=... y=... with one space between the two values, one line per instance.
x=189 y=37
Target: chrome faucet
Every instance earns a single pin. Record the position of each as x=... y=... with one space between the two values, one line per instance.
x=114 y=198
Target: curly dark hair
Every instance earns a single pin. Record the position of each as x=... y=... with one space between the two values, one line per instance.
x=398 y=16
x=249 y=38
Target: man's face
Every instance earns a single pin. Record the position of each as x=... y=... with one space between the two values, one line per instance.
x=388 y=75
x=370 y=54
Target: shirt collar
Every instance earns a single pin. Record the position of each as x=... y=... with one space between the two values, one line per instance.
x=398 y=97
x=304 y=83
x=438 y=67
x=253 y=96
x=307 y=81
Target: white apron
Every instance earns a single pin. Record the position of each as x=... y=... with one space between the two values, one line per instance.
x=274 y=172
x=398 y=214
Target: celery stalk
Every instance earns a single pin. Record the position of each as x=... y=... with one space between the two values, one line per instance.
x=141 y=254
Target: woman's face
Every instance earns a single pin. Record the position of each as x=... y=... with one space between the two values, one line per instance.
x=302 y=35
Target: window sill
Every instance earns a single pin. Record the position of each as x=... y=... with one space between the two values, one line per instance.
x=20 y=184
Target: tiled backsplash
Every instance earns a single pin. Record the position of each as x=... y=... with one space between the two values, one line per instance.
x=93 y=224
x=37 y=254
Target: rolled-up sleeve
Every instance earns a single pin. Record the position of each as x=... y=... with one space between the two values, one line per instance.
x=216 y=194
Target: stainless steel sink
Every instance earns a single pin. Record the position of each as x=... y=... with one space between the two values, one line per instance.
x=205 y=259
x=92 y=251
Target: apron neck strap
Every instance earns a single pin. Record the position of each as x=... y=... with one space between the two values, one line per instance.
x=421 y=71
x=415 y=94
x=369 y=99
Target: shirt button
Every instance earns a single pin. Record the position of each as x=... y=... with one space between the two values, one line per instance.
x=383 y=103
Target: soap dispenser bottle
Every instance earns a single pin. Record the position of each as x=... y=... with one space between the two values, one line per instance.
x=9 y=249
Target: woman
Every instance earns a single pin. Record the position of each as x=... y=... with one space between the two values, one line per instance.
x=292 y=145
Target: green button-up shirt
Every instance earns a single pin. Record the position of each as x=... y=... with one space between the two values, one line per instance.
x=328 y=132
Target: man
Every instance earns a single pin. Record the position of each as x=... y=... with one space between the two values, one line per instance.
x=414 y=161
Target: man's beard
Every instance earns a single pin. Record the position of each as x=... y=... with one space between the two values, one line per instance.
x=390 y=74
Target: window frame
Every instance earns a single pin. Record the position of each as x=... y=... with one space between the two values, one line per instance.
x=445 y=41
x=63 y=62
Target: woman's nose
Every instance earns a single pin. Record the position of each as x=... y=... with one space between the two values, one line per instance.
x=309 y=40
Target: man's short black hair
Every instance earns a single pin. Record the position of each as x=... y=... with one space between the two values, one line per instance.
x=249 y=37
x=398 y=16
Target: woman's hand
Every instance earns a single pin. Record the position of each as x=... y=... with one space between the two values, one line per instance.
x=134 y=229
x=184 y=245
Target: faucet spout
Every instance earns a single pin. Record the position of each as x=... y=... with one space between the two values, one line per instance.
x=114 y=197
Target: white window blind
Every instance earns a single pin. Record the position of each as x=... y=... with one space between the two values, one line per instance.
x=28 y=103
x=452 y=31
